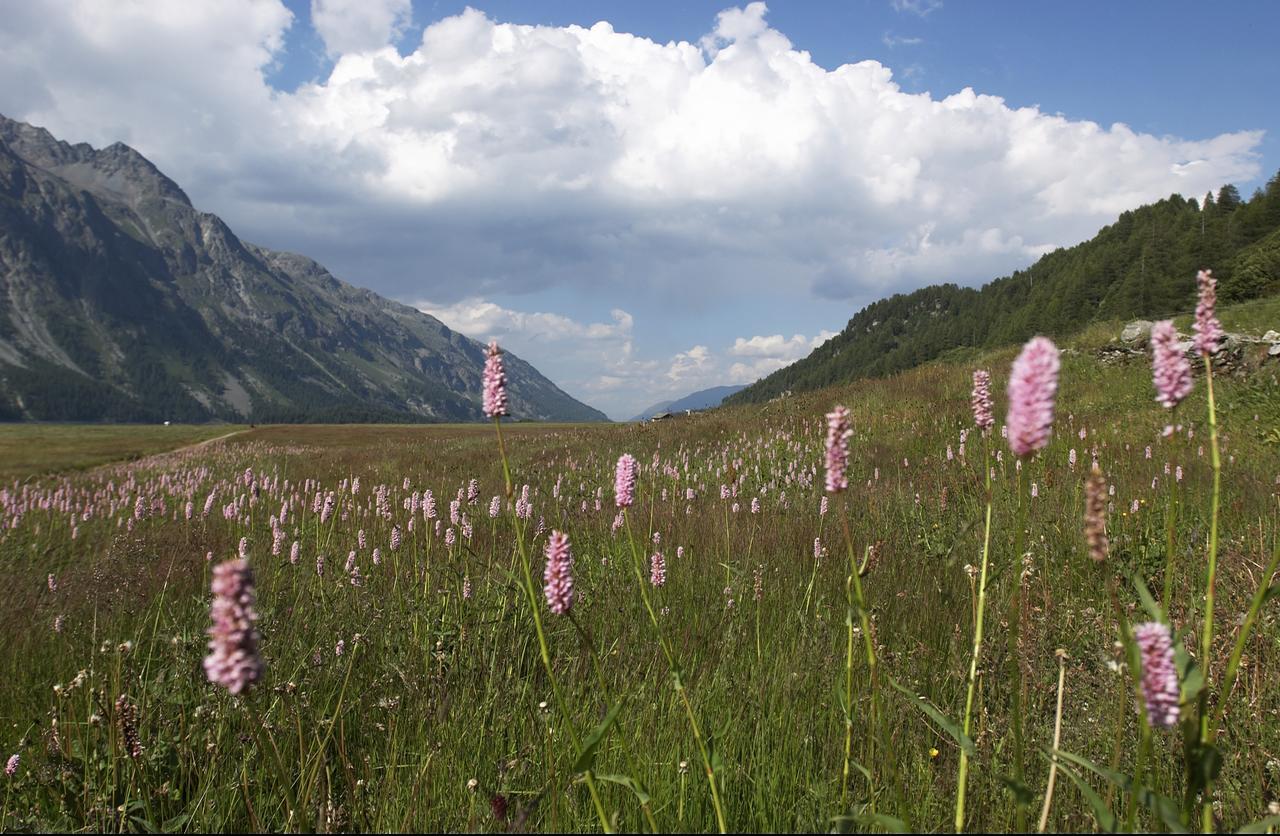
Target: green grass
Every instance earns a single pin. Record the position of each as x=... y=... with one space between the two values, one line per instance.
x=440 y=690
x=28 y=450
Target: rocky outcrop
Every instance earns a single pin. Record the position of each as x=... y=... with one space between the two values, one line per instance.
x=1239 y=353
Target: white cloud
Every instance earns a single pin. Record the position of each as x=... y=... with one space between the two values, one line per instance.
x=765 y=354
x=510 y=158
x=891 y=40
x=921 y=8
x=487 y=320
x=359 y=25
x=595 y=360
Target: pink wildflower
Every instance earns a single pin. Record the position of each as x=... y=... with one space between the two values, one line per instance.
x=1033 y=383
x=838 y=433
x=657 y=569
x=233 y=661
x=1170 y=370
x=1159 y=674
x=495 y=383
x=558 y=575
x=624 y=481
x=11 y=768
x=981 y=400
x=1207 y=327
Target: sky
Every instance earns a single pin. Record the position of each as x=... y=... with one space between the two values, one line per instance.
x=646 y=199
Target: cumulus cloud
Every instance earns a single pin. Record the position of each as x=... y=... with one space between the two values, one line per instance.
x=486 y=320
x=761 y=355
x=891 y=40
x=920 y=8
x=359 y=25
x=515 y=158
x=596 y=361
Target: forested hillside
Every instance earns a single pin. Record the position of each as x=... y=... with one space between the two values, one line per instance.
x=1143 y=265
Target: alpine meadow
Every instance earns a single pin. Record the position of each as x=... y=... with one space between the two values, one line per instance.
x=996 y=549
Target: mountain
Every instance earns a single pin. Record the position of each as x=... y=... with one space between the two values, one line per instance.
x=703 y=399
x=119 y=301
x=1143 y=265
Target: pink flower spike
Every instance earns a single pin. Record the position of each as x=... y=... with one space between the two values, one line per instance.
x=624 y=481
x=1207 y=327
x=1170 y=370
x=838 y=433
x=1159 y=674
x=558 y=576
x=233 y=661
x=981 y=400
x=1033 y=384
x=495 y=383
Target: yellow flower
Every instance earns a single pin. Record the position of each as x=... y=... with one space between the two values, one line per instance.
x=933 y=753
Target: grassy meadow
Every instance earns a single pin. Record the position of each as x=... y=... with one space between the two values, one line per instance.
x=409 y=690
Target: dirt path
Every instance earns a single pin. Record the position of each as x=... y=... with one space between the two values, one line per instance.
x=204 y=443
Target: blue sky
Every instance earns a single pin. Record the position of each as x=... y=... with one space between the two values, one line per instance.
x=695 y=205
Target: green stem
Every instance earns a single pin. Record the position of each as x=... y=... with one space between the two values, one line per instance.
x=864 y=618
x=1206 y=640
x=530 y=591
x=962 y=779
x=677 y=681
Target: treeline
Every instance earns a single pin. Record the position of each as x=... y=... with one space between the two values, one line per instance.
x=1143 y=265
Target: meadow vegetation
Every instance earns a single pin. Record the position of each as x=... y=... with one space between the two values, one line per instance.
x=761 y=685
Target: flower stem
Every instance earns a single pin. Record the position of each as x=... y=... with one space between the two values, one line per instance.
x=1206 y=640
x=963 y=775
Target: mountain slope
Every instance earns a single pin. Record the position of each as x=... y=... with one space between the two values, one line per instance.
x=702 y=399
x=120 y=301
x=1143 y=265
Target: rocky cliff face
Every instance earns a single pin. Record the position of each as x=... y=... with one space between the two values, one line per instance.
x=119 y=301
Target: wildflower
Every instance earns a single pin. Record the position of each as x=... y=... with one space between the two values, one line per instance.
x=1033 y=382
x=624 y=480
x=558 y=575
x=495 y=383
x=1095 y=515
x=233 y=661
x=395 y=537
x=1170 y=370
x=495 y=507
x=11 y=767
x=1159 y=674
x=838 y=433
x=1207 y=327
x=981 y=400
x=127 y=713
x=53 y=583
x=657 y=569
x=817 y=548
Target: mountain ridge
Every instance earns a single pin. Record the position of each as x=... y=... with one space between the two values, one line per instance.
x=119 y=300
x=1141 y=266
x=708 y=398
